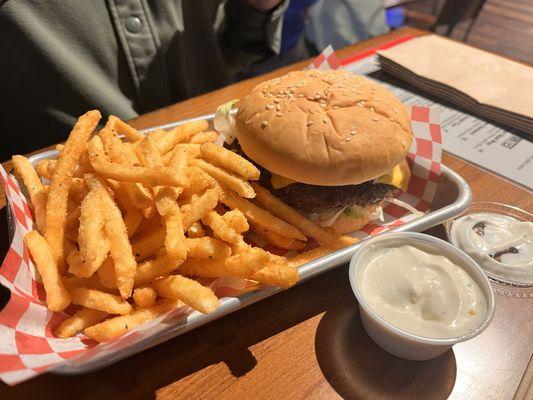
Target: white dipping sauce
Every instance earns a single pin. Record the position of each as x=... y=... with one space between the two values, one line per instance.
x=421 y=293
x=502 y=245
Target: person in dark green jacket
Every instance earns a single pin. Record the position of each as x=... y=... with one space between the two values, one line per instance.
x=59 y=58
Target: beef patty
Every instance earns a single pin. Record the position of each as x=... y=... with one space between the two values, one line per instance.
x=320 y=199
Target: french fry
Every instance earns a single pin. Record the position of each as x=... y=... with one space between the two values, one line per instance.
x=144 y=297
x=203 y=137
x=158 y=176
x=56 y=205
x=42 y=169
x=227 y=159
x=132 y=220
x=114 y=327
x=78 y=190
x=274 y=205
x=204 y=268
x=261 y=217
x=130 y=133
x=121 y=251
x=283 y=276
x=189 y=291
x=309 y=255
x=227 y=179
x=204 y=204
x=149 y=270
x=246 y=263
x=106 y=274
x=192 y=151
x=196 y=230
x=236 y=220
x=207 y=248
x=94 y=246
x=57 y=297
x=98 y=300
x=35 y=189
x=148 y=244
x=150 y=153
x=168 y=208
x=179 y=134
x=82 y=319
x=220 y=228
x=277 y=240
x=199 y=181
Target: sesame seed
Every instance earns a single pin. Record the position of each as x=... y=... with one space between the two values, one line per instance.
x=372 y=109
x=394 y=110
x=375 y=119
x=264 y=124
x=353 y=133
x=335 y=107
x=325 y=120
x=309 y=123
x=278 y=107
x=269 y=106
x=279 y=115
x=276 y=101
x=300 y=95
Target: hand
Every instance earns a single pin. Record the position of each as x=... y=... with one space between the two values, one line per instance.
x=263 y=5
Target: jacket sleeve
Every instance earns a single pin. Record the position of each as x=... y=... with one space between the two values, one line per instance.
x=247 y=35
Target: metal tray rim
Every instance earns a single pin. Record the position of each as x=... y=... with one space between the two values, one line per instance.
x=307 y=271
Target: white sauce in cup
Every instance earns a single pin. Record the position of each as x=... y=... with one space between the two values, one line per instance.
x=501 y=244
x=421 y=293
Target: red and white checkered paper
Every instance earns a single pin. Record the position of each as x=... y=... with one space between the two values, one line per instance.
x=27 y=344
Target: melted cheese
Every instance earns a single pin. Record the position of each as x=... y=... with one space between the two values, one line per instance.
x=397 y=177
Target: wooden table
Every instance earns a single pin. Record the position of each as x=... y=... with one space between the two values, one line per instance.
x=308 y=342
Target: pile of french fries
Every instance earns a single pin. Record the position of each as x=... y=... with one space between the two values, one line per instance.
x=128 y=221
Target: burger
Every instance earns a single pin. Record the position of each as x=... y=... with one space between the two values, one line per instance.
x=331 y=144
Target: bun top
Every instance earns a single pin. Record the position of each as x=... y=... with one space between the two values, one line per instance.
x=325 y=128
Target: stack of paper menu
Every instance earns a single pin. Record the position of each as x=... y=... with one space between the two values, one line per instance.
x=484 y=84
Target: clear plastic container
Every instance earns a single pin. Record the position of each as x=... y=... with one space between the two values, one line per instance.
x=502 y=284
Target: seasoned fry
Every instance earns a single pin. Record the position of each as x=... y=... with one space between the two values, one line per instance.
x=106 y=274
x=114 y=327
x=283 y=276
x=260 y=217
x=149 y=270
x=144 y=297
x=120 y=246
x=202 y=205
x=198 y=182
x=148 y=244
x=56 y=205
x=236 y=220
x=220 y=228
x=224 y=158
x=158 y=176
x=94 y=246
x=35 y=189
x=175 y=236
x=196 y=230
x=204 y=268
x=150 y=153
x=191 y=150
x=82 y=319
x=179 y=134
x=57 y=297
x=248 y=262
x=309 y=255
x=98 y=300
x=130 y=133
x=227 y=179
x=207 y=248
x=265 y=199
x=189 y=291
x=277 y=240
x=42 y=169
x=203 y=137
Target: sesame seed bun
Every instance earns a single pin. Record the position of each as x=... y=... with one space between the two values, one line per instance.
x=324 y=128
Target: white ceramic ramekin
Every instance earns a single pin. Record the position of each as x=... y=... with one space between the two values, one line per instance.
x=394 y=340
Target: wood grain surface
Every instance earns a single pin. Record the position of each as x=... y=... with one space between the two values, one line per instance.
x=308 y=342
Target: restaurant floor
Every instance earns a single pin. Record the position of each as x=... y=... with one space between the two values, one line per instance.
x=503 y=26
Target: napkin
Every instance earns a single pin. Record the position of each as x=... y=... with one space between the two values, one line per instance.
x=482 y=83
